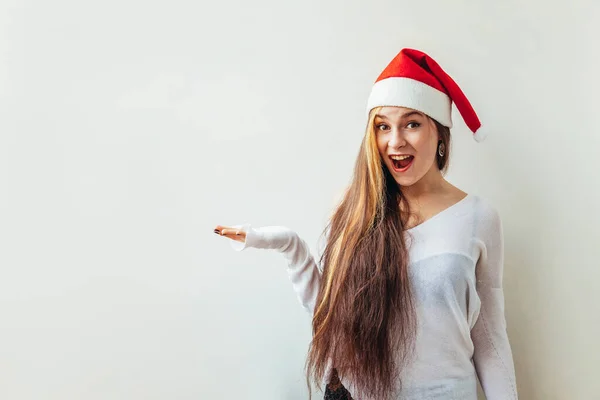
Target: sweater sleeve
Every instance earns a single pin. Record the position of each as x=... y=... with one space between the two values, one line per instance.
x=302 y=267
x=492 y=354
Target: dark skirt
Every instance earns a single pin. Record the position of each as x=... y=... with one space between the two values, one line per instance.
x=334 y=390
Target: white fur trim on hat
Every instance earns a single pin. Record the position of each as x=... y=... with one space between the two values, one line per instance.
x=410 y=93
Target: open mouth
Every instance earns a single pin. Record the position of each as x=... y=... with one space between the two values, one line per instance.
x=402 y=163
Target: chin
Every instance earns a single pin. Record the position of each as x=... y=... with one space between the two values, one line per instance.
x=405 y=182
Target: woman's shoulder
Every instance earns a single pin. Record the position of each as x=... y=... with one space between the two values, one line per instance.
x=484 y=206
x=486 y=215
x=470 y=202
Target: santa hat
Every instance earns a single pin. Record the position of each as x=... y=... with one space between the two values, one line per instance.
x=414 y=80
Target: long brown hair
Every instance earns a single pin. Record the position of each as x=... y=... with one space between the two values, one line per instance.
x=364 y=320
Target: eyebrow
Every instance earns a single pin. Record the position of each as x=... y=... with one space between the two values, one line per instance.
x=405 y=115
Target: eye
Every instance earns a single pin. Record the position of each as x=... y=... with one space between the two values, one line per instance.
x=382 y=127
x=416 y=124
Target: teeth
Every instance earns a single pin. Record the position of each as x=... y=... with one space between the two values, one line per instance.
x=399 y=157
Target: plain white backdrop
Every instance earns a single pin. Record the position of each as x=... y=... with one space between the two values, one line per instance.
x=129 y=129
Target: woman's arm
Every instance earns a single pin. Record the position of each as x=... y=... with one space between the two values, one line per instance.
x=303 y=269
x=493 y=356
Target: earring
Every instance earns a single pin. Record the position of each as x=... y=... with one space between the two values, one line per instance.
x=441 y=149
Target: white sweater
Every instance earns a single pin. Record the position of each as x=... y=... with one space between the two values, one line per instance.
x=456 y=262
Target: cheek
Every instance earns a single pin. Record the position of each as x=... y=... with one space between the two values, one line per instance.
x=426 y=151
x=380 y=143
x=381 y=146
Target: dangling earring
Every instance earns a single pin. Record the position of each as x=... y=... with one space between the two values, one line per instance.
x=441 y=149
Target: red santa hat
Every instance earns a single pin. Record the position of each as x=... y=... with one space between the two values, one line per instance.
x=414 y=80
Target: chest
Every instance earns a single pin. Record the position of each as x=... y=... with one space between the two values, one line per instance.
x=442 y=278
x=442 y=263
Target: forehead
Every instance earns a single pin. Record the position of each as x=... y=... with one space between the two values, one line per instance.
x=393 y=112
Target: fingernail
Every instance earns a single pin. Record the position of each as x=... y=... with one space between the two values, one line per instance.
x=217 y=232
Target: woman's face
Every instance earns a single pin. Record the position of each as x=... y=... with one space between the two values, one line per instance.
x=403 y=131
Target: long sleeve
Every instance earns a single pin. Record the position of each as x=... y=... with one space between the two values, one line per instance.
x=302 y=268
x=492 y=355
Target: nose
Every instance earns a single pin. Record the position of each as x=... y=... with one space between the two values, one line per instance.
x=396 y=139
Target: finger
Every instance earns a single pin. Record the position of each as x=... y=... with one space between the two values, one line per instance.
x=233 y=232
x=230 y=234
x=220 y=228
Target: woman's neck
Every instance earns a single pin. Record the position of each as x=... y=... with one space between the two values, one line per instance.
x=430 y=184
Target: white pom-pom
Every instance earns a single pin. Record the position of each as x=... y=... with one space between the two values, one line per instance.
x=480 y=134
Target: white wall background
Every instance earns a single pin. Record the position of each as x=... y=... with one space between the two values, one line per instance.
x=129 y=129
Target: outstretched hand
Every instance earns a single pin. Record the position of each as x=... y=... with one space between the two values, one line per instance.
x=232 y=233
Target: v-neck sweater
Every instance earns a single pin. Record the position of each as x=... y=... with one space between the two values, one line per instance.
x=455 y=267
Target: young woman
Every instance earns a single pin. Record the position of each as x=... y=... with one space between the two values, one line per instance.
x=406 y=294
